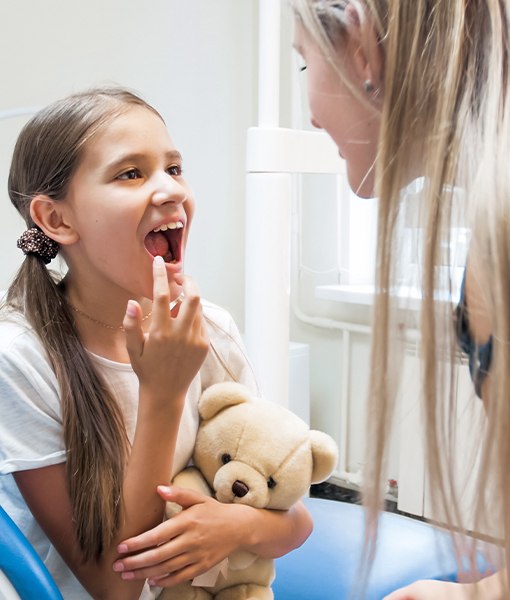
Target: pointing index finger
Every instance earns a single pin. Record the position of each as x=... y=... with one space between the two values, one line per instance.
x=161 y=289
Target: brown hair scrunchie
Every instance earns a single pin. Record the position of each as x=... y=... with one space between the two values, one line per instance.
x=35 y=241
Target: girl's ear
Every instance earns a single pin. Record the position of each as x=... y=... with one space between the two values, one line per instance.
x=49 y=215
x=366 y=50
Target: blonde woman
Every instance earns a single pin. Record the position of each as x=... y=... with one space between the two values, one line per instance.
x=419 y=89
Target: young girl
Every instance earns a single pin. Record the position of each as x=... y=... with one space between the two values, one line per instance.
x=99 y=375
x=412 y=89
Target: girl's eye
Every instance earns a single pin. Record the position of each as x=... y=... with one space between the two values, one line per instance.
x=175 y=170
x=131 y=174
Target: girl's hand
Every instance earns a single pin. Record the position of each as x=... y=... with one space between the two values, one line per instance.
x=171 y=353
x=187 y=545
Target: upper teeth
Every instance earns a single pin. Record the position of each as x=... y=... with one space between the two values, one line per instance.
x=173 y=225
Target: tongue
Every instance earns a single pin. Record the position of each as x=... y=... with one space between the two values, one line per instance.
x=157 y=244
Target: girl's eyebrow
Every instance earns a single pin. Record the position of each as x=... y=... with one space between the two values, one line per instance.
x=134 y=157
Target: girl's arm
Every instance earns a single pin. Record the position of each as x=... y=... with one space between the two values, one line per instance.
x=205 y=533
x=165 y=361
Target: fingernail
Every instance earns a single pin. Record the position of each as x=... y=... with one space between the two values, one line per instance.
x=152 y=582
x=118 y=567
x=131 y=309
x=121 y=548
x=159 y=260
x=165 y=489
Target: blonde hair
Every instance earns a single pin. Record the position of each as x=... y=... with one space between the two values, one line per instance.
x=445 y=99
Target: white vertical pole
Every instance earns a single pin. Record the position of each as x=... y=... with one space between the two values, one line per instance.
x=267 y=280
x=269 y=63
x=268 y=201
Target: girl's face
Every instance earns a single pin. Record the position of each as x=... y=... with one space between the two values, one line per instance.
x=128 y=202
x=352 y=123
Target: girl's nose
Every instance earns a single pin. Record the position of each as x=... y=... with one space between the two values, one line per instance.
x=168 y=190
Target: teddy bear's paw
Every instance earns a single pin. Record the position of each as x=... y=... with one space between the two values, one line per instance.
x=185 y=591
x=246 y=591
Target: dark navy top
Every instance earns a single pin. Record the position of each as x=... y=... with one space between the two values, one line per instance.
x=480 y=356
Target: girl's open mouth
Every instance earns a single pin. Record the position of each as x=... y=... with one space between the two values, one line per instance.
x=166 y=241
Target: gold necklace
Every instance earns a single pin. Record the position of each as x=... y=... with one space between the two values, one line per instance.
x=105 y=325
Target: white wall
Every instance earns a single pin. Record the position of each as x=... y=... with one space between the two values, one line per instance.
x=194 y=60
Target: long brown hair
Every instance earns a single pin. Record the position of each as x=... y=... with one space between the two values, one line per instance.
x=445 y=99
x=46 y=155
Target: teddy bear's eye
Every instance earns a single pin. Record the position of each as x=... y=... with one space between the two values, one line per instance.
x=225 y=458
x=271 y=483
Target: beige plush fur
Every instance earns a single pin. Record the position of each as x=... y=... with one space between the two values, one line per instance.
x=274 y=455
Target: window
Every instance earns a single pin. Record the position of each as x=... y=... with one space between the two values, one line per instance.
x=357 y=242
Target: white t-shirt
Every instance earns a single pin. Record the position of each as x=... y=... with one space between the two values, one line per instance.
x=31 y=423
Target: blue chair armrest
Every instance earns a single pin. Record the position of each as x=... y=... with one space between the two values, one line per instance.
x=22 y=565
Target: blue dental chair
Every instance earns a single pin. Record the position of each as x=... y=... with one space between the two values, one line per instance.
x=22 y=573
x=325 y=567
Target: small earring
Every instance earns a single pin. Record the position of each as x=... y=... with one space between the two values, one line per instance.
x=369 y=86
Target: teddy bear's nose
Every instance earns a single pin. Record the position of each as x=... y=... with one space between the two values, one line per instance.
x=240 y=489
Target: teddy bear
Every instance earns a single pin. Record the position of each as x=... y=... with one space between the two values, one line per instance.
x=255 y=452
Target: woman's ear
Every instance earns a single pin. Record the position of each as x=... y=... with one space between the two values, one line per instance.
x=367 y=53
x=49 y=216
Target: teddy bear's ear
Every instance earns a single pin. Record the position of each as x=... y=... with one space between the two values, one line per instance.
x=325 y=455
x=220 y=396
